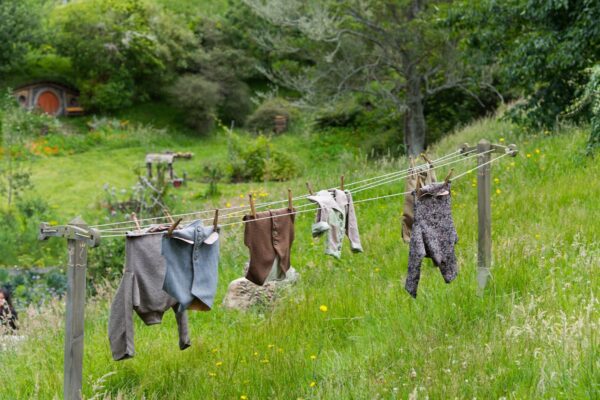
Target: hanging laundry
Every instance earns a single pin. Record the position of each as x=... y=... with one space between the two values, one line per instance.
x=269 y=238
x=433 y=235
x=192 y=261
x=141 y=291
x=426 y=175
x=337 y=217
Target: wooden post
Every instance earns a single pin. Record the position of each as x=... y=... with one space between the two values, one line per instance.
x=79 y=237
x=76 y=271
x=484 y=212
x=484 y=150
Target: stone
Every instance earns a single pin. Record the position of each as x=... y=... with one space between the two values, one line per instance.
x=243 y=294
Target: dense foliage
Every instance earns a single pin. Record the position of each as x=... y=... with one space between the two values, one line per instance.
x=120 y=51
x=539 y=49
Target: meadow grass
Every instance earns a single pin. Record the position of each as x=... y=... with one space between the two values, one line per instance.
x=533 y=334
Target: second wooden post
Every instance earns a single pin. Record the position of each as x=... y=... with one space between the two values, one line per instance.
x=484 y=211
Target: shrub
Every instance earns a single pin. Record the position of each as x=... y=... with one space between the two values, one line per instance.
x=263 y=119
x=259 y=160
x=236 y=104
x=198 y=98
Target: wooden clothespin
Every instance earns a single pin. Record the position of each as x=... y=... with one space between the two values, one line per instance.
x=342 y=183
x=427 y=160
x=290 y=204
x=447 y=179
x=418 y=186
x=310 y=189
x=216 y=220
x=137 y=223
x=172 y=228
x=252 y=209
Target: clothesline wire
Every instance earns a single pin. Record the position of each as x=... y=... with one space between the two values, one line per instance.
x=236 y=214
x=371 y=185
x=315 y=208
x=266 y=204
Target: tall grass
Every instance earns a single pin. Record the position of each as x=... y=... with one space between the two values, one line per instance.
x=533 y=334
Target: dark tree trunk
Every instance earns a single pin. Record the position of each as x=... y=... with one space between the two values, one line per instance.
x=414 y=117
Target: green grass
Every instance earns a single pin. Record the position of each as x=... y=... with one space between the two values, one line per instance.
x=534 y=334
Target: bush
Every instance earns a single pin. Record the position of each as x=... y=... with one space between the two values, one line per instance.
x=198 y=98
x=260 y=160
x=236 y=104
x=109 y=96
x=263 y=119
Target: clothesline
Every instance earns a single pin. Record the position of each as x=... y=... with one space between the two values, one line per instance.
x=236 y=214
x=383 y=179
x=316 y=208
x=266 y=204
x=371 y=185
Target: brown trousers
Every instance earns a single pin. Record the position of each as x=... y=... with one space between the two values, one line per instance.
x=269 y=236
x=425 y=176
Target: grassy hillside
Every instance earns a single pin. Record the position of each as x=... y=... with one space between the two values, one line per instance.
x=534 y=334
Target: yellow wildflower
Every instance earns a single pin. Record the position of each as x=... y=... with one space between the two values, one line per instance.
x=280 y=350
x=228 y=204
x=212 y=374
x=243 y=397
x=473 y=184
x=496 y=180
x=323 y=308
x=377 y=270
x=264 y=361
x=537 y=236
x=313 y=384
x=313 y=357
x=537 y=151
x=271 y=346
x=498 y=191
x=528 y=155
x=219 y=363
x=256 y=354
x=241 y=196
x=501 y=139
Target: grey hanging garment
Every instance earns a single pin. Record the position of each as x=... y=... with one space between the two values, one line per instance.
x=336 y=217
x=433 y=235
x=141 y=291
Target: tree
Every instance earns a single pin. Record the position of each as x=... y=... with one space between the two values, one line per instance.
x=398 y=52
x=121 y=51
x=19 y=29
x=541 y=49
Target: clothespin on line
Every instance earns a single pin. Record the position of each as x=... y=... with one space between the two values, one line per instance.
x=418 y=185
x=447 y=179
x=290 y=204
x=216 y=220
x=252 y=208
x=427 y=160
x=172 y=228
x=310 y=189
x=137 y=223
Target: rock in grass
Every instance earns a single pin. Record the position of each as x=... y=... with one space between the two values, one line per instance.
x=243 y=294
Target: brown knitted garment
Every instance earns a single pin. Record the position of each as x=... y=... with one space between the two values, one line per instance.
x=269 y=236
x=433 y=235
